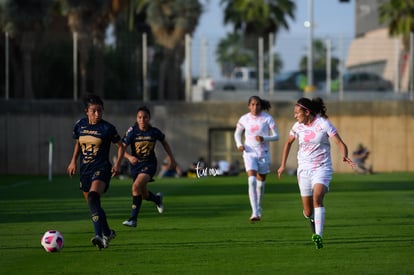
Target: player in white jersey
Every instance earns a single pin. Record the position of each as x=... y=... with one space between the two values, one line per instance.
x=313 y=131
x=259 y=129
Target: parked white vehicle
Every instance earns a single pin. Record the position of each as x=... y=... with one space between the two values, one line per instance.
x=244 y=74
x=241 y=78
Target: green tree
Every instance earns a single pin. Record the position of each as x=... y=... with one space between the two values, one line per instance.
x=277 y=62
x=2 y=15
x=90 y=20
x=319 y=58
x=123 y=58
x=170 y=21
x=24 y=20
x=399 y=15
x=259 y=18
x=230 y=54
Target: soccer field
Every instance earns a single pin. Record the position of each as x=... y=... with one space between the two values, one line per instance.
x=205 y=229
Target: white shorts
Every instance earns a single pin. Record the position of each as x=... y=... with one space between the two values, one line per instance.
x=259 y=164
x=308 y=178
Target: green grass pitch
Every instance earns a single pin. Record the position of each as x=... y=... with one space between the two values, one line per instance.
x=205 y=229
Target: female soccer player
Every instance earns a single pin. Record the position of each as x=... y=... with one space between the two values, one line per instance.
x=142 y=138
x=259 y=128
x=313 y=130
x=93 y=137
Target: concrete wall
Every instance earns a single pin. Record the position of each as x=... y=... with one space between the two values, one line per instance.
x=387 y=128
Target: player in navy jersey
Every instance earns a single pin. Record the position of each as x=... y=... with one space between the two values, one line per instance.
x=93 y=137
x=142 y=137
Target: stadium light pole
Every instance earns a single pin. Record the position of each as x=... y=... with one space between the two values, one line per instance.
x=187 y=68
x=271 y=64
x=309 y=25
x=203 y=58
x=260 y=72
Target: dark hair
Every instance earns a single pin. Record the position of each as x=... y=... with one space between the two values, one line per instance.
x=316 y=106
x=92 y=99
x=320 y=106
x=264 y=104
x=144 y=109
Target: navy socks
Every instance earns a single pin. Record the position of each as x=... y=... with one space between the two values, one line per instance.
x=136 y=206
x=99 y=221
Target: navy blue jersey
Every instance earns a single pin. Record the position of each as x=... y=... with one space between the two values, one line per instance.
x=143 y=142
x=95 y=142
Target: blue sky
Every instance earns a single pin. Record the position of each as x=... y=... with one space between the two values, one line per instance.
x=332 y=19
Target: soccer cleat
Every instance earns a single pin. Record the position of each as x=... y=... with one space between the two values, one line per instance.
x=255 y=218
x=105 y=242
x=160 y=205
x=106 y=239
x=130 y=223
x=317 y=240
x=112 y=235
x=98 y=242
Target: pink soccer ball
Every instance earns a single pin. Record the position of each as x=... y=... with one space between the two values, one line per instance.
x=52 y=241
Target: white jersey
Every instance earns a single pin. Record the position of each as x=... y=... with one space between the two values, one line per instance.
x=314 y=147
x=259 y=125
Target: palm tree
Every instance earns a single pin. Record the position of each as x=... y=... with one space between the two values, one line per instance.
x=25 y=20
x=90 y=19
x=259 y=18
x=2 y=19
x=399 y=14
x=170 y=21
x=124 y=75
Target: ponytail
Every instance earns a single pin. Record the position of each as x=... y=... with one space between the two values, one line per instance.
x=316 y=106
x=319 y=106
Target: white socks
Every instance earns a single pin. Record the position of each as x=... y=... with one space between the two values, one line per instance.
x=252 y=194
x=260 y=192
x=256 y=191
x=319 y=216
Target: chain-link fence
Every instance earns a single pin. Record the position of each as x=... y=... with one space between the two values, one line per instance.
x=59 y=66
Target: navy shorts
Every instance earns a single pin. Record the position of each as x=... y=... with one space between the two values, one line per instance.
x=86 y=180
x=143 y=168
